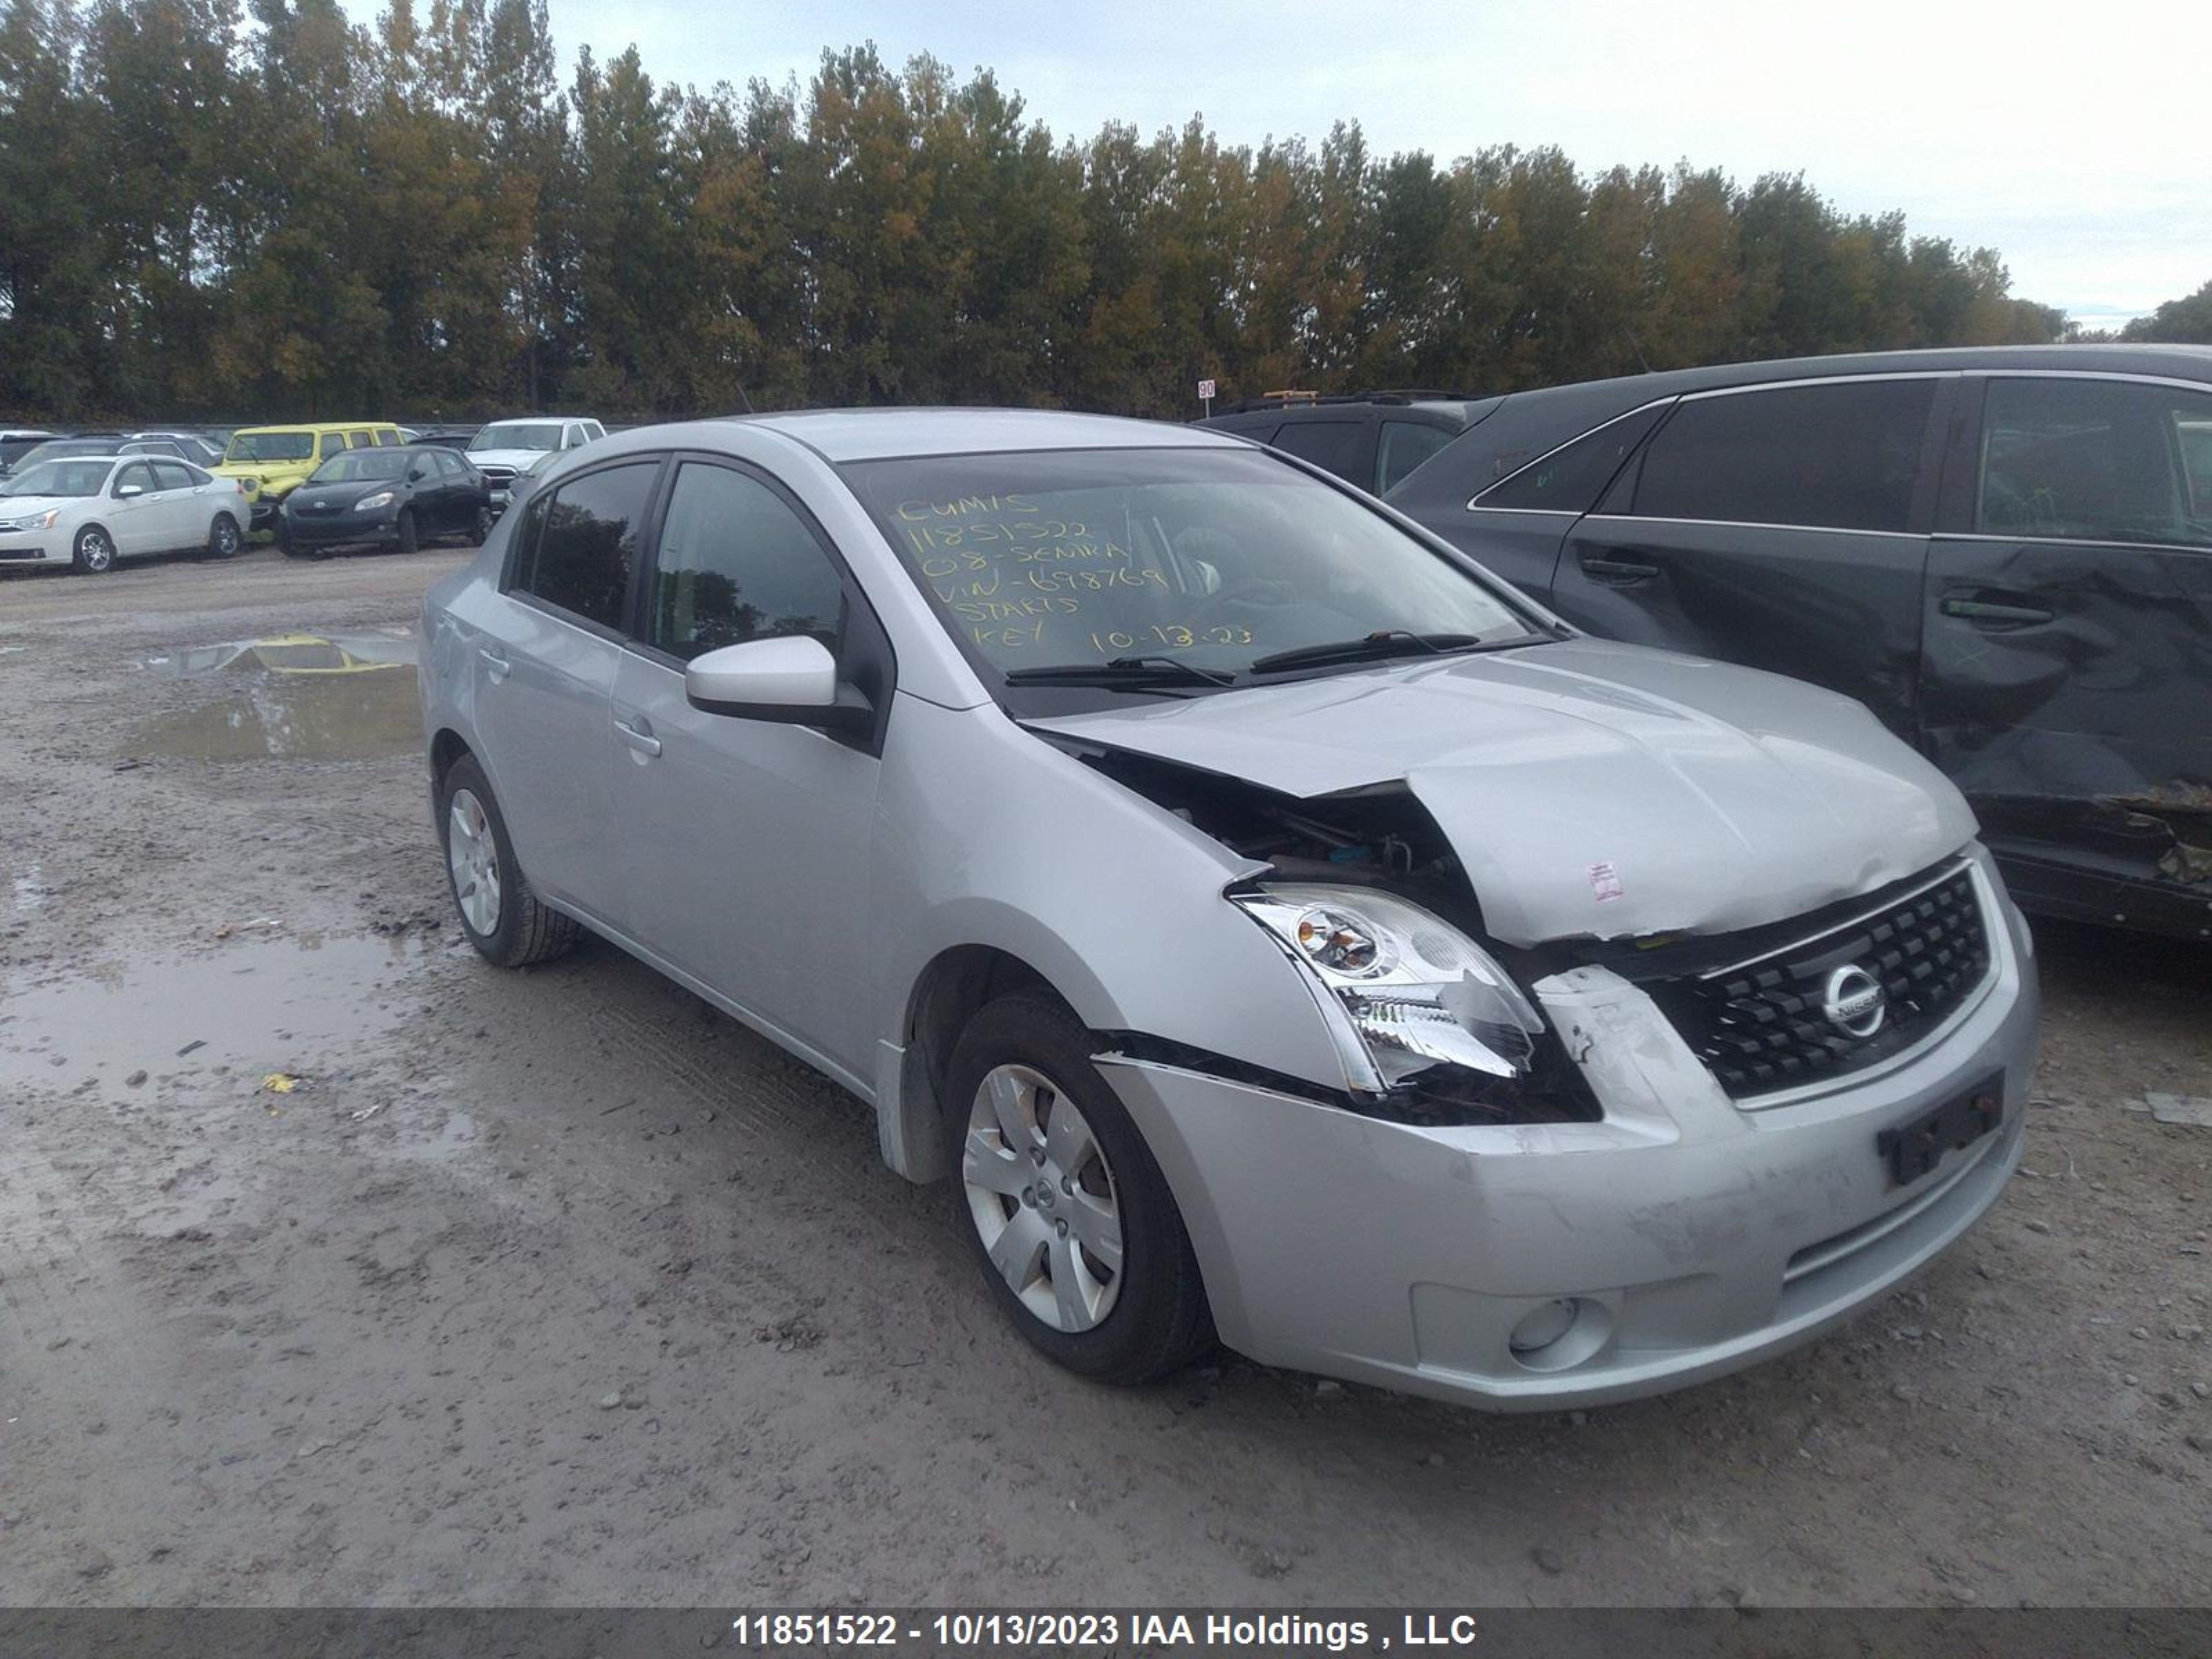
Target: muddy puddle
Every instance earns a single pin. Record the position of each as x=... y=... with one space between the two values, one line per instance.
x=294 y=696
x=258 y=1005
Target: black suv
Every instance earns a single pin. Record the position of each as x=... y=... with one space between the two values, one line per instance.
x=2006 y=553
x=1372 y=439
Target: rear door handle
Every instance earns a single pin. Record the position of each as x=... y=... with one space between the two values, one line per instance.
x=495 y=665
x=643 y=741
x=1618 y=573
x=1989 y=611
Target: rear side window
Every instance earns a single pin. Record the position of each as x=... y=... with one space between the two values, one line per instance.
x=1331 y=445
x=2097 y=461
x=1406 y=444
x=581 y=553
x=736 y=562
x=1568 y=479
x=1840 y=457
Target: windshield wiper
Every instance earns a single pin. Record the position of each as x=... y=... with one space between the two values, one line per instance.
x=1368 y=648
x=1138 y=673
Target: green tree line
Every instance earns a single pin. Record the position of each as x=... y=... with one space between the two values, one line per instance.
x=217 y=211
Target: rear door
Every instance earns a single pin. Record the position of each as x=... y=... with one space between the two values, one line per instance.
x=2068 y=680
x=1785 y=527
x=133 y=511
x=544 y=671
x=183 y=521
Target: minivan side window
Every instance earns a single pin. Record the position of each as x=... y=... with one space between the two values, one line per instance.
x=1406 y=444
x=736 y=562
x=1333 y=445
x=2095 y=461
x=581 y=555
x=1843 y=455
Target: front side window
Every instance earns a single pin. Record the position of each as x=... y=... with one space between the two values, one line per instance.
x=138 y=476
x=581 y=555
x=334 y=443
x=1406 y=444
x=2096 y=461
x=736 y=562
x=1840 y=456
x=1221 y=557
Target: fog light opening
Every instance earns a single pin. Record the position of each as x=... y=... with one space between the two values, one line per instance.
x=1563 y=1332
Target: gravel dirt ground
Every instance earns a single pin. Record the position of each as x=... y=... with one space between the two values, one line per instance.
x=557 y=1287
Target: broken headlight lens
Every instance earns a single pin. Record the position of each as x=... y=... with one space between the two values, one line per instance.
x=1407 y=992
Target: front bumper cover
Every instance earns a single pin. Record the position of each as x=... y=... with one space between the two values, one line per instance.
x=1695 y=1237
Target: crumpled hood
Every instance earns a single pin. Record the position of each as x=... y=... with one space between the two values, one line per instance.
x=1591 y=788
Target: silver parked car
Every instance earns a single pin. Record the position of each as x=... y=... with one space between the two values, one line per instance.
x=1273 y=925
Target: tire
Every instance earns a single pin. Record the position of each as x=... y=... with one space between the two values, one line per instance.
x=225 y=539
x=1047 y=1203
x=480 y=527
x=94 y=552
x=517 y=930
x=284 y=542
x=407 y=529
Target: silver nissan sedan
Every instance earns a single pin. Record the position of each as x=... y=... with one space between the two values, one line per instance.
x=1270 y=926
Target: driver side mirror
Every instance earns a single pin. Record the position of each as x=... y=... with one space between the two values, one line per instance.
x=792 y=680
x=123 y=492
x=415 y=473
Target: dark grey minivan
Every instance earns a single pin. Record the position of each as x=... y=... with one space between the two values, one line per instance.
x=2006 y=553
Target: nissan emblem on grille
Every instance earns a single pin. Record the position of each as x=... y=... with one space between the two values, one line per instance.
x=1853 y=1001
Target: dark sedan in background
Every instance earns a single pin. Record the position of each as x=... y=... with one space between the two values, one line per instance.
x=395 y=497
x=2005 y=553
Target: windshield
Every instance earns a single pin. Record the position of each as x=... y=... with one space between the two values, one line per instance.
x=59 y=478
x=355 y=465
x=1217 y=558
x=518 y=435
x=270 y=447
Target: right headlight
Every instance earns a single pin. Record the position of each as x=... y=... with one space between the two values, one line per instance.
x=1407 y=992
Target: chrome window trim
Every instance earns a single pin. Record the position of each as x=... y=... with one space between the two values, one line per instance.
x=1826 y=379
x=1759 y=524
x=2075 y=541
x=2000 y=943
x=2134 y=376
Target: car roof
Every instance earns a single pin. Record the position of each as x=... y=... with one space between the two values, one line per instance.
x=839 y=435
x=1526 y=424
x=309 y=426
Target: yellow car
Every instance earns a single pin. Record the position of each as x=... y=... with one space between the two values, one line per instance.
x=270 y=462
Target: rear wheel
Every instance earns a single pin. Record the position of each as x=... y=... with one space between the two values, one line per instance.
x=499 y=912
x=223 y=538
x=93 y=550
x=1069 y=1216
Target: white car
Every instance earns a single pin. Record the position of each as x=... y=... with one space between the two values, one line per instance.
x=505 y=450
x=91 y=510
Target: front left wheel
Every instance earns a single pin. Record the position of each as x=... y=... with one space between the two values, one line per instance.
x=1069 y=1215
x=499 y=912
x=93 y=550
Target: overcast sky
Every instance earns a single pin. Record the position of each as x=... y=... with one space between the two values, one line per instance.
x=2077 y=141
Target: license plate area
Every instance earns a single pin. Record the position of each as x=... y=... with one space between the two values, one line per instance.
x=1913 y=1150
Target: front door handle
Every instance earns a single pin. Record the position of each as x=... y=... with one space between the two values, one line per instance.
x=1618 y=573
x=1989 y=611
x=495 y=665
x=642 y=740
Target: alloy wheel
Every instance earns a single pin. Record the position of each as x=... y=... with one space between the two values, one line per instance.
x=472 y=856
x=1043 y=1199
